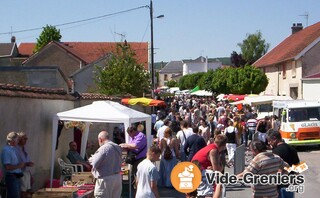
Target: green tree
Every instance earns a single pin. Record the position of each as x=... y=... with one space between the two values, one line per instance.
x=48 y=34
x=190 y=81
x=231 y=80
x=237 y=60
x=122 y=74
x=253 y=47
x=172 y=83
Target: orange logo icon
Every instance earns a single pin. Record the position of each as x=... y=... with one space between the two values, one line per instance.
x=185 y=177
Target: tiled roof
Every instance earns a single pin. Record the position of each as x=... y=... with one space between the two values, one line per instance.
x=172 y=67
x=26 y=49
x=6 y=49
x=314 y=76
x=21 y=91
x=200 y=59
x=291 y=46
x=97 y=96
x=91 y=51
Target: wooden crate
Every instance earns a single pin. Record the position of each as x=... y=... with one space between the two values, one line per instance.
x=56 y=193
x=85 y=177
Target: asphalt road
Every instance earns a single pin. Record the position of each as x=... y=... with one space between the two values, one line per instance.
x=310 y=155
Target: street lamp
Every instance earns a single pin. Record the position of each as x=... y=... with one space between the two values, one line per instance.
x=152 y=48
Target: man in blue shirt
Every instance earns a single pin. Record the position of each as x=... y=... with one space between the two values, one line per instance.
x=75 y=157
x=11 y=166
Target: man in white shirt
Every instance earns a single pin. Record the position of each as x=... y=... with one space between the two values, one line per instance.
x=148 y=175
x=106 y=167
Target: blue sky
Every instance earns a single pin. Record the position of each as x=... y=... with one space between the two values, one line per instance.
x=189 y=29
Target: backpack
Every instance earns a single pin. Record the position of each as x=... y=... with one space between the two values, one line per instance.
x=167 y=154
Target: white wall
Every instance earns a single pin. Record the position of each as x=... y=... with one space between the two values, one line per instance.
x=278 y=81
x=34 y=117
x=310 y=89
x=195 y=67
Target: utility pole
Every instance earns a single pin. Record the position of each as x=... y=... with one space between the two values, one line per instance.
x=152 y=48
x=152 y=51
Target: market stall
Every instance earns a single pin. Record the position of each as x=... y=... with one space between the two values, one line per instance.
x=143 y=101
x=99 y=111
x=201 y=93
x=234 y=97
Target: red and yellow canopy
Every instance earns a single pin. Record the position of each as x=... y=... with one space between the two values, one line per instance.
x=234 y=97
x=143 y=101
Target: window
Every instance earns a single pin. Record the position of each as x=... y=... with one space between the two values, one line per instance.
x=283 y=71
x=294 y=92
x=304 y=114
x=293 y=69
x=165 y=77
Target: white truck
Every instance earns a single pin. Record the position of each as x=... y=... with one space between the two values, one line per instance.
x=261 y=104
x=300 y=121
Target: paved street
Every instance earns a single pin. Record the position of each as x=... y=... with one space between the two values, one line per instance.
x=312 y=176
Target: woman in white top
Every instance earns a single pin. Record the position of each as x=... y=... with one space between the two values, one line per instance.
x=231 y=133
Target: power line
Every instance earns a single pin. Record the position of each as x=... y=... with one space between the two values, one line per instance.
x=79 y=21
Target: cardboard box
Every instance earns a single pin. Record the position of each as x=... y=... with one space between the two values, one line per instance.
x=85 y=177
x=56 y=193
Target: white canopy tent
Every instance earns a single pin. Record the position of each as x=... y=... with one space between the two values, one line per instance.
x=202 y=93
x=99 y=111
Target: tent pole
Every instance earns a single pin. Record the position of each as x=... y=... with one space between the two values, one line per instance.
x=84 y=140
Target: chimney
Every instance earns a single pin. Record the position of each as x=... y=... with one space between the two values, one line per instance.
x=13 y=39
x=296 y=27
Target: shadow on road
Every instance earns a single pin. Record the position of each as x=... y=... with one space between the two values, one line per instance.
x=307 y=148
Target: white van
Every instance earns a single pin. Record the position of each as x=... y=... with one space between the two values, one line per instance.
x=173 y=89
x=300 y=121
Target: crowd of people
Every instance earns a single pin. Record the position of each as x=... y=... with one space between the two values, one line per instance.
x=209 y=133
x=195 y=129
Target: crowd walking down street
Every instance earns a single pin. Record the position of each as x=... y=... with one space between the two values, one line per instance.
x=200 y=130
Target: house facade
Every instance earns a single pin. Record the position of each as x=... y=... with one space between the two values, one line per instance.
x=73 y=57
x=56 y=54
x=42 y=77
x=171 y=71
x=83 y=79
x=175 y=69
x=9 y=54
x=292 y=60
